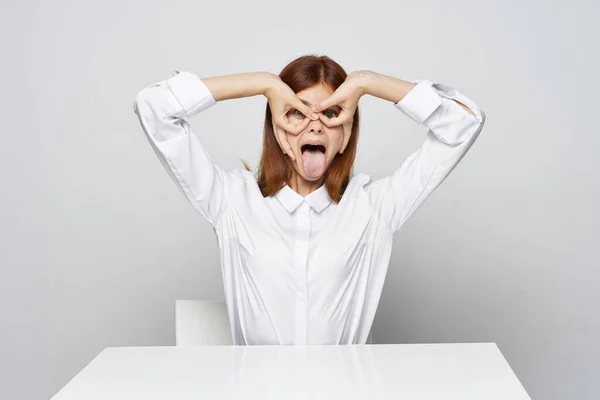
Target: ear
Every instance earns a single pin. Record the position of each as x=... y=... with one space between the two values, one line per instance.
x=347 y=129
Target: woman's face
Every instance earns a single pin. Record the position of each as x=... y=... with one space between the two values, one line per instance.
x=317 y=145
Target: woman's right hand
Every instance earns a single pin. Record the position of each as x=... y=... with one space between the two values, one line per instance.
x=282 y=100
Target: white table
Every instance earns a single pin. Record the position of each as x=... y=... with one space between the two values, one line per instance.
x=462 y=371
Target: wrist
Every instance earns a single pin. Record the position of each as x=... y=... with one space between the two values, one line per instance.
x=269 y=81
x=363 y=80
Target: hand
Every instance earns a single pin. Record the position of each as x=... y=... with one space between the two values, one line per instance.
x=346 y=97
x=282 y=99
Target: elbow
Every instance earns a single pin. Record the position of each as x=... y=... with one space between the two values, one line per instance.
x=467 y=109
x=140 y=100
x=473 y=109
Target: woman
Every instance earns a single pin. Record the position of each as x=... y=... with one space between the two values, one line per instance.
x=305 y=245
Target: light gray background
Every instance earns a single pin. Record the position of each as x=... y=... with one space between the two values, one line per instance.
x=97 y=242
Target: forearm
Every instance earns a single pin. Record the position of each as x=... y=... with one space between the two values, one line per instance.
x=388 y=88
x=382 y=86
x=236 y=86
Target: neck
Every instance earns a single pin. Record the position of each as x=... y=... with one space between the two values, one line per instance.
x=304 y=187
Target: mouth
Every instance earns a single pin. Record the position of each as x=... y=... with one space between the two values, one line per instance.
x=313 y=148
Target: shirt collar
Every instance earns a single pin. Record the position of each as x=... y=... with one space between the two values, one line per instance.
x=290 y=199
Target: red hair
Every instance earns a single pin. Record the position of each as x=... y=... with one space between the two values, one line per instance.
x=276 y=168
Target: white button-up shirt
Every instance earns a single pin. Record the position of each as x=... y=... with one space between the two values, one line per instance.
x=304 y=270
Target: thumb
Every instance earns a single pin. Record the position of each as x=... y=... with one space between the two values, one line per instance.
x=325 y=104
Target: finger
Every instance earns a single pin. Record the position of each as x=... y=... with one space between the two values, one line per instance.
x=295 y=129
x=287 y=149
x=335 y=121
x=276 y=134
x=347 y=131
x=278 y=138
x=332 y=100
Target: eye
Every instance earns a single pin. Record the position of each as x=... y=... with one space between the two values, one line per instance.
x=298 y=114
x=330 y=114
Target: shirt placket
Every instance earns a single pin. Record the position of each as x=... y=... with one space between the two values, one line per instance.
x=301 y=243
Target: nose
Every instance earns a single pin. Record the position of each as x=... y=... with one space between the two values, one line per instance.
x=315 y=126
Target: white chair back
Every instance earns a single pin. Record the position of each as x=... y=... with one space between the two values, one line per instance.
x=205 y=323
x=201 y=323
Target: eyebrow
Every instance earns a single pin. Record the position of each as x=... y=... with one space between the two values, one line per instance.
x=307 y=103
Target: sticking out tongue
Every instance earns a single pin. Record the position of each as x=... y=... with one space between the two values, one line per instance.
x=314 y=163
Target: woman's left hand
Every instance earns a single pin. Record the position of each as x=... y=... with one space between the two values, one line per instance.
x=346 y=97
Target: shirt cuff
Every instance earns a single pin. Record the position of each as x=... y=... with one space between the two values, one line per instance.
x=420 y=102
x=193 y=95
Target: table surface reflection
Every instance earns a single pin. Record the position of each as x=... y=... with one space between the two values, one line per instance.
x=402 y=371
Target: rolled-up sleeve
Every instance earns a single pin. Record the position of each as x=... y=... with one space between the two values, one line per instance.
x=452 y=131
x=162 y=109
